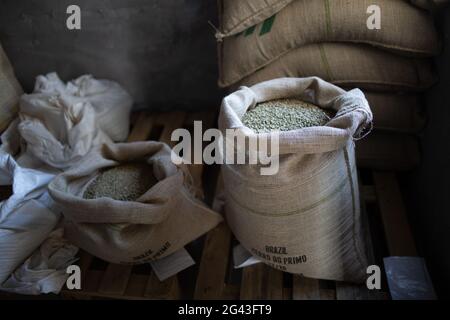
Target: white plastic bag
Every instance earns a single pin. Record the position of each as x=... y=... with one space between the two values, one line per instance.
x=45 y=270
x=57 y=130
x=26 y=218
x=110 y=101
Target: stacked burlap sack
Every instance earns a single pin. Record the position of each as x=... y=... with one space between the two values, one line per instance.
x=263 y=40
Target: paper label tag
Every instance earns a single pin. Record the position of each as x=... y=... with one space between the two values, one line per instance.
x=242 y=258
x=172 y=264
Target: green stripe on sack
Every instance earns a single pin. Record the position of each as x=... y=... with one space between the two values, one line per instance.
x=267 y=25
x=324 y=58
x=249 y=31
x=328 y=16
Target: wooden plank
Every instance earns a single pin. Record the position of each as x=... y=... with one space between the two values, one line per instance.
x=305 y=288
x=92 y=281
x=348 y=291
x=115 y=279
x=344 y=291
x=274 y=288
x=142 y=128
x=393 y=213
x=170 y=121
x=206 y=117
x=251 y=285
x=213 y=263
x=261 y=282
x=327 y=294
x=196 y=170
x=165 y=290
x=230 y=292
x=136 y=286
x=287 y=293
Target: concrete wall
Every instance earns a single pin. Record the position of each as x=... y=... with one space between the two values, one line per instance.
x=163 y=52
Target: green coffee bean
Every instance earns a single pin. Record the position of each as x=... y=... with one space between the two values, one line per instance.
x=125 y=182
x=284 y=115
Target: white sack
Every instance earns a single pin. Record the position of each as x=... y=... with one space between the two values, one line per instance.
x=58 y=131
x=26 y=218
x=110 y=101
x=45 y=270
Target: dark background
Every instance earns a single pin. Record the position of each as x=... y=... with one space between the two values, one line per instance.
x=162 y=51
x=428 y=188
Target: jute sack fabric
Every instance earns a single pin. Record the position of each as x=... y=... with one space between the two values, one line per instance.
x=160 y=222
x=350 y=65
x=236 y=16
x=404 y=29
x=396 y=112
x=10 y=91
x=305 y=219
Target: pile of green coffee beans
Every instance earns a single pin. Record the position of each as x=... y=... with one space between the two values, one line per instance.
x=125 y=182
x=284 y=115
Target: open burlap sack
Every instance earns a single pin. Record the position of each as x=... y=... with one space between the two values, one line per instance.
x=396 y=112
x=306 y=218
x=10 y=91
x=350 y=65
x=404 y=29
x=158 y=223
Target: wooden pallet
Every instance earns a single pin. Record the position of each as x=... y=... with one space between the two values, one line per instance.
x=214 y=277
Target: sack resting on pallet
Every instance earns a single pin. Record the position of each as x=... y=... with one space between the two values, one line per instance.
x=10 y=91
x=350 y=65
x=404 y=29
x=158 y=223
x=305 y=219
x=396 y=112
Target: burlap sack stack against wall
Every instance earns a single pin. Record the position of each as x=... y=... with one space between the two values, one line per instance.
x=263 y=40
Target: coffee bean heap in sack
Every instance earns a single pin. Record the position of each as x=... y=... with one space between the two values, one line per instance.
x=284 y=115
x=125 y=182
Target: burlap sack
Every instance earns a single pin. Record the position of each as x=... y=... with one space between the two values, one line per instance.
x=306 y=218
x=404 y=29
x=349 y=65
x=396 y=112
x=160 y=222
x=10 y=91
x=236 y=16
